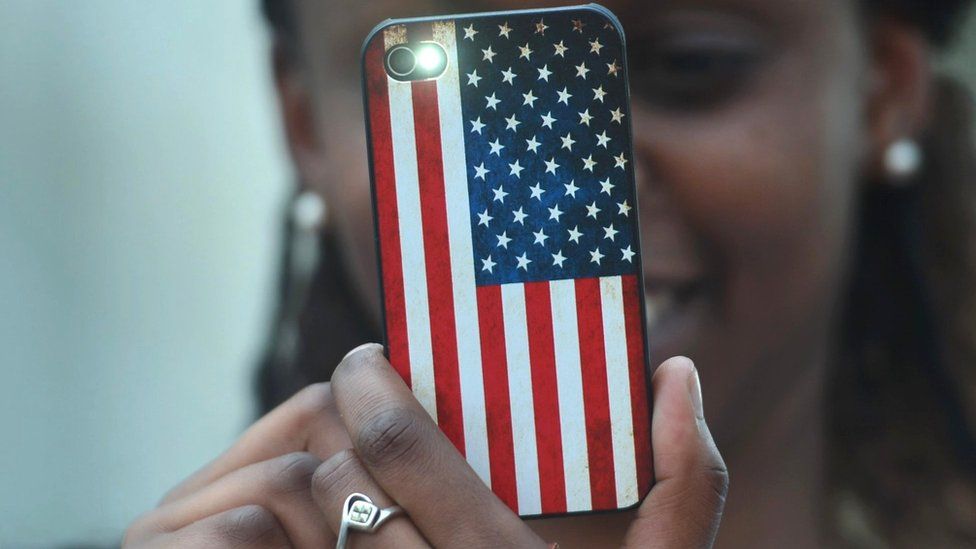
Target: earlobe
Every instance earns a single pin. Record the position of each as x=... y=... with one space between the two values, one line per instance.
x=297 y=112
x=899 y=102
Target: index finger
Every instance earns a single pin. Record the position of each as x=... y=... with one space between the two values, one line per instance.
x=415 y=463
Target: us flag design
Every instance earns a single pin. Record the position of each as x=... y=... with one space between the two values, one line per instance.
x=510 y=259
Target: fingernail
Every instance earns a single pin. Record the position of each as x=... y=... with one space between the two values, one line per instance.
x=694 y=390
x=362 y=347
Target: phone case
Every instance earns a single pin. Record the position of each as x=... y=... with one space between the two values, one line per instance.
x=506 y=219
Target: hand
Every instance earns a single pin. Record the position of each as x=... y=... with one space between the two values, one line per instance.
x=273 y=489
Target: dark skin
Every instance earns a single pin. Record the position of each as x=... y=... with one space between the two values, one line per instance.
x=746 y=199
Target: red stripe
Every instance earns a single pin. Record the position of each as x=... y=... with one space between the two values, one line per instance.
x=640 y=402
x=545 y=397
x=384 y=181
x=437 y=249
x=596 y=395
x=491 y=323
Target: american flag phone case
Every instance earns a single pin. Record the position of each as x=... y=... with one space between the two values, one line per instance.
x=506 y=218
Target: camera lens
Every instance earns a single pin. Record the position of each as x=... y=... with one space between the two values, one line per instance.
x=401 y=61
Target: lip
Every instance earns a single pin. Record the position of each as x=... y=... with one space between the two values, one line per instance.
x=676 y=311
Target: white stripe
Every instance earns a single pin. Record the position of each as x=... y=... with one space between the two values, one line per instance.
x=618 y=381
x=569 y=381
x=412 y=245
x=462 y=252
x=520 y=392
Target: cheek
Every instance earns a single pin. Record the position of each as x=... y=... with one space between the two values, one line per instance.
x=345 y=184
x=763 y=191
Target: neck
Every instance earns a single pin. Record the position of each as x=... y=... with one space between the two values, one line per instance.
x=776 y=487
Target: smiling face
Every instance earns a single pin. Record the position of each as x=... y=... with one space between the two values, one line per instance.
x=750 y=135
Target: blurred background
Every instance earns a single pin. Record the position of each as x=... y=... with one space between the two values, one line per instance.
x=142 y=180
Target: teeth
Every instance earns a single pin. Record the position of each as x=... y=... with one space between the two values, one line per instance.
x=657 y=305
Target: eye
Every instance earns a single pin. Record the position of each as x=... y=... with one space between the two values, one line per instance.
x=694 y=70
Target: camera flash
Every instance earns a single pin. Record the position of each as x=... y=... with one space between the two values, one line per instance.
x=429 y=58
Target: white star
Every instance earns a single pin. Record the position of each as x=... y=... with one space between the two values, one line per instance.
x=520 y=216
x=607 y=186
x=496 y=148
x=558 y=259
x=561 y=49
x=575 y=234
x=529 y=99
x=489 y=55
x=602 y=140
x=480 y=172
x=484 y=218
x=516 y=169
x=551 y=166
x=508 y=76
x=503 y=240
x=504 y=29
x=537 y=191
x=540 y=27
x=628 y=254
x=599 y=94
x=555 y=214
x=624 y=209
x=592 y=210
x=469 y=33
x=477 y=126
x=548 y=120
x=526 y=52
x=492 y=102
x=571 y=188
x=589 y=163
x=578 y=25
x=613 y=68
x=596 y=256
x=488 y=264
x=544 y=73
x=620 y=161
x=540 y=238
x=500 y=194
x=473 y=79
x=596 y=46
x=610 y=233
x=617 y=115
x=568 y=142
x=512 y=123
x=533 y=145
x=585 y=117
x=523 y=262
x=581 y=70
x=564 y=96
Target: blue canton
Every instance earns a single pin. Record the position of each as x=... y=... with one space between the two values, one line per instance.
x=550 y=177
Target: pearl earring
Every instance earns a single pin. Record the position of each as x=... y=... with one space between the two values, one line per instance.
x=309 y=211
x=903 y=159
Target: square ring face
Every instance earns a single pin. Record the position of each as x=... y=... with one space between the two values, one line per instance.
x=362 y=513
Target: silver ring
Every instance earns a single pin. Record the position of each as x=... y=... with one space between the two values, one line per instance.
x=359 y=513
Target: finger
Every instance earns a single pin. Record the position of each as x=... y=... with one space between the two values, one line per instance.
x=685 y=505
x=343 y=474
x=250 y=527
x=307 y=422
x=282 y=485
x=414 y=462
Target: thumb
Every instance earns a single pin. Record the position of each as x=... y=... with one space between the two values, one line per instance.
x=685 y=505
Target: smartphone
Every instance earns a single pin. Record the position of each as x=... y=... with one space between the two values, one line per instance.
x=504 y=197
